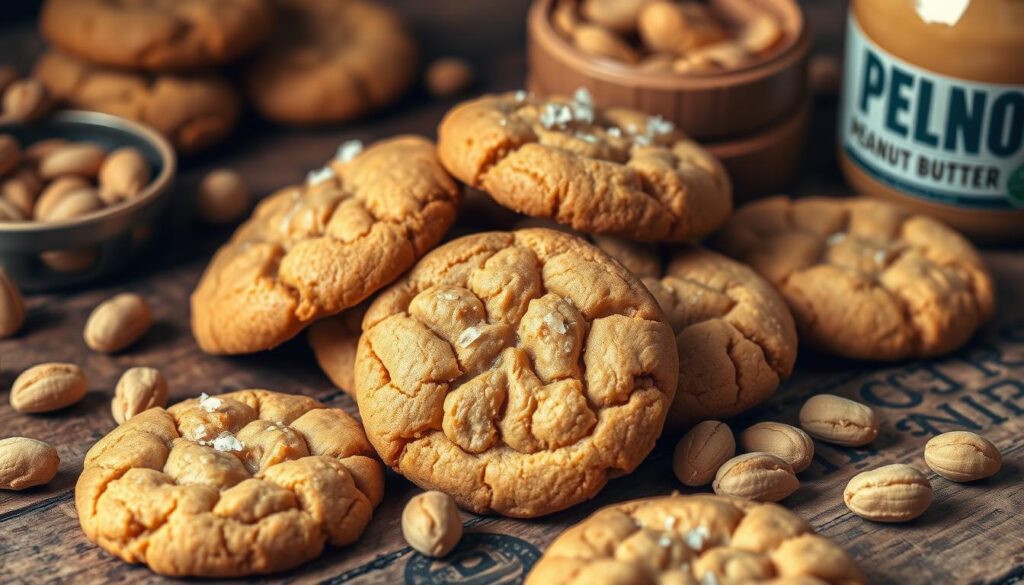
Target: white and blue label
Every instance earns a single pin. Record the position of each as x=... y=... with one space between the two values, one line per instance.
x=936 y=137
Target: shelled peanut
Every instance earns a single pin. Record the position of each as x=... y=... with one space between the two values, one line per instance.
x=667 y=35
x=57 y=180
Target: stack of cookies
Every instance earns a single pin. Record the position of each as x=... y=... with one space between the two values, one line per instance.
x=162 y=62
x=517 y=371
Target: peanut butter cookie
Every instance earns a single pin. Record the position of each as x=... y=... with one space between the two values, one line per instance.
x=515 y=371
x=334 y=341
x=865 y=279
x=192 y=111
x=157 y=35
x=238 y=484
x=735 y=335
x=694 y=540
x=313 y=250
x=614 y=171
x=331 y=61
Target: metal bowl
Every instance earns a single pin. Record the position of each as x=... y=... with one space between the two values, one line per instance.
x=103 y=242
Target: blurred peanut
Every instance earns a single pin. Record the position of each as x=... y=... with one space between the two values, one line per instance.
x=25 y=100
x=12 y=307
x=701 y=451
x=599 y=41
x=83 y=159
x=448 y=77
x=25 y=463
x=125 y=172
x=617 y=15
x=223 y=197
x=117 y=323
x=56 y=191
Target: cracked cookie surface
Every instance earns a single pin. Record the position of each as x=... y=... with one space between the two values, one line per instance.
x=331 y=61
x=693 y=540
x=237 y=484
x=865 y=279
x=515 y=371
x=157 y=35
x=604 y=171
x=311 y=251
x=192 y=111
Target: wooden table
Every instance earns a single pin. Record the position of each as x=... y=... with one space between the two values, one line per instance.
x=971 y=534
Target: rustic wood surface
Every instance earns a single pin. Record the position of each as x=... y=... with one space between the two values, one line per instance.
x=972 y=533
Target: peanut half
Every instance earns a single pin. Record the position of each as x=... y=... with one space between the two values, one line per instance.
x=962 y=456
x=223 y=197
x=892 y=493
x=48 y=387
x=448 y=77
x=12 y=307
x=26 y=462
x=431 y=523
x=25 y=99
x=138 y=390
x=123 y=175
x=839 y=420
x=761 y=477
x=786 y=442
x=701 y=451
x=82 y=159
x=117 y=323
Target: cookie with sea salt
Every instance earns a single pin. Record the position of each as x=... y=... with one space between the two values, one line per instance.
x=603 y=171
x=239 y=484
x=313 y=250
x=694 y=540
x=516 y=371
x=864 y=278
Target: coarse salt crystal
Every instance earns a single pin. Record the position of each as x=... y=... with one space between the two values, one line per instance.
x=520 y=95
x=587 y=137
x=696 y=538
x=880 y=257
x=226 y=442
x=318 y=176
x=665 y=541
x=447 y=295
x=556 y=323
x=555 y=115
x=709 y=579
x=583 y=106
x=614 y=131
x=835 y=238
x=468 y=336
x=349 y=150
x=209 y=403
x=199 y=432
x=658 y=125
x=670 y=522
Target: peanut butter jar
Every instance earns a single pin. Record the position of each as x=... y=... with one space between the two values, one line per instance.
x=932 y=110
x=753 y=116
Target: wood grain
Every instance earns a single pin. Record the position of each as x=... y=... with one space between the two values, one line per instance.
x=973 y=533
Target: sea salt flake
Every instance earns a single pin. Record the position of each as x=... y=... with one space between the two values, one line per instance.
x=696 y=538
x=555 y=116
x=226 y=442
x=556 y=323
x=199 y=432
x=209 y=403
x=835 y=238
x=709 y=579
x=657 y=125
x=880 y=257
x=520 y=95
x=447 y=295
x=587 y=137
x=318 y=176
x=665 y=541
x=468 y=336
x=614 y=131
x=583 y=106
x=670 y=522
x=349 y=150
x=642 y=140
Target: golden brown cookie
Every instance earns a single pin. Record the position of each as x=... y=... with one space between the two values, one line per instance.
x=865 y=279
x=192 y=111
x=735 y=335
x=331 y=61
x=334 y=341
x=694 y=540
x=614 y=171
x=157 y=35
x=515 y=371
x=238 y=484
x=313 y=250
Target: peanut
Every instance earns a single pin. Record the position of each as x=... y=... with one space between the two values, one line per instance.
x=892 y=493
x=839 y=420
x=125 y=172
x=431 y=523
x=448 y=77
x=8 y=75
x=678 y=28
x=69 y=260
x=56 y=191
x=26 y=463
x=617 y=15
x=223 y=197
x=48 y=387
x=25 y=100
x=788 y=443
x=10 y=154
x=564 y=17
x=74 y=204
x=37 y=150
x=10 y=211
x=138 y=390
x=760 y=477
x=599 y=41
x=117 y=323
x=12 y=307
x=962 y=456
x=701 y=451
x=83 y=159
x=21 y=190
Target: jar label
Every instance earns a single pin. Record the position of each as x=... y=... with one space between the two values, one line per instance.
x=937 y=137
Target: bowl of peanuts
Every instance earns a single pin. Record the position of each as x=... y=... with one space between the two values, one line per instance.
x=80 y=193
